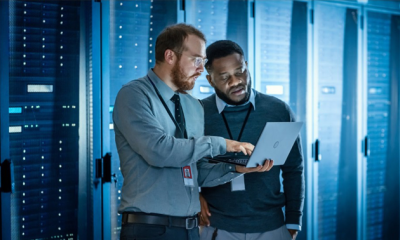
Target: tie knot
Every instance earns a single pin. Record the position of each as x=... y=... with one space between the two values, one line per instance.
x=175 y=98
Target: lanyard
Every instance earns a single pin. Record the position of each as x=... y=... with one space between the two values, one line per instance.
x=244 y=123
x=168 y=111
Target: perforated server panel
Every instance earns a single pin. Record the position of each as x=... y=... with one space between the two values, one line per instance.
x=44 y=77
x=329 y=24
x=272 y=47
x=378 y=50
x=210 y=17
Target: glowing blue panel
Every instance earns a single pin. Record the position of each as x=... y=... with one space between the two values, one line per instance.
x=44 y=83
x=15 y=110
x=210 y=17
x=378 y=72
x=329 y=39
x=272 y=47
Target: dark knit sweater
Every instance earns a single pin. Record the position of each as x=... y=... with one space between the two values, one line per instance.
x=259 y=207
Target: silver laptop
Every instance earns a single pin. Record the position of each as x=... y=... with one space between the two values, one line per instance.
x=275 y=142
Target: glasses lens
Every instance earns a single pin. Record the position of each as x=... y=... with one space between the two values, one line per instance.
x=199 y=61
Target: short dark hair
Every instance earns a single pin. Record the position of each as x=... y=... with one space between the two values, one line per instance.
x=173 y=38
x=221 y=48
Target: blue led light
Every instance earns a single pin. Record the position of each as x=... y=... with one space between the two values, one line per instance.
x=15 y=110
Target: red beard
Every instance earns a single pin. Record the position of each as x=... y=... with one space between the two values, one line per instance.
x=180 y=80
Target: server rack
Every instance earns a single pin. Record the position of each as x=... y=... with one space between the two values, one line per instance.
x=335 y=73
x=380 y=169
x=44 y=118
x=5 y=210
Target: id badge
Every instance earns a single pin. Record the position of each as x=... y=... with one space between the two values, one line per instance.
x=187 y=176
x=237 y=184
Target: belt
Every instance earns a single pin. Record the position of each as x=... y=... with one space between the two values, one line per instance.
x=184 y=222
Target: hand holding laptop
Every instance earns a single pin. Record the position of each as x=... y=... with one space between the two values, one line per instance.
x=268 y=164
x=275 y=142
x=247 y=149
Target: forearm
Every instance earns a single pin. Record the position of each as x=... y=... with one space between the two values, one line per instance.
x=211 y=175
x=293 y=184
x=169 y=151
x=151 y=135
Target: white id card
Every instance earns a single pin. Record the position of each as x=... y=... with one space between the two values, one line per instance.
x=237 y=184
x=187 y=176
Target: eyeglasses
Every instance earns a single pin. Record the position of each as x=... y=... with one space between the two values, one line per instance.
x=199 y=60
x=196 y=60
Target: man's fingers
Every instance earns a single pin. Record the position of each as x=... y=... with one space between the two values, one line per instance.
x=268 y=164
x=243 y=169
x=264 y=168
x=271 y=164
x=205 y=211
x=249 y=146
x=243 y=150
x=255 y=169
x=234 y=146
x=204 y=219
x=249 y=152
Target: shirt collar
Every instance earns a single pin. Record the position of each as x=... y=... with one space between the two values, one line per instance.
x=165 y=91
x=221 y=104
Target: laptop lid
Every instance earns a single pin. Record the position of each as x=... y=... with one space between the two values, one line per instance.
x=275 y=142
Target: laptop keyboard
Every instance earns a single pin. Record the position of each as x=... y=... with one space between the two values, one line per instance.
x=229 y=159
x=239 y=161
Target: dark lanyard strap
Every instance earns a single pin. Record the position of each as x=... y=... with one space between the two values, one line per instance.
x=167 y=109
x=244 y=124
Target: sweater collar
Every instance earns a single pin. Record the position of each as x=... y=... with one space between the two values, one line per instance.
x=221 y=104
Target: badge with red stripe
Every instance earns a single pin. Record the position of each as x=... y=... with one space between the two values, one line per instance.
x=187 y=176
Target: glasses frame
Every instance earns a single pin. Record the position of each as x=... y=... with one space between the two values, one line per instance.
x=196 y=60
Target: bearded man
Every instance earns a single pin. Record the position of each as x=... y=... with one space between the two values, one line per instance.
x=159 y=133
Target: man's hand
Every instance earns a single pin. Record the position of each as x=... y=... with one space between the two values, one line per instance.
x=268 y=164
x=205 y=213
x=293 y=233
x=234 y=146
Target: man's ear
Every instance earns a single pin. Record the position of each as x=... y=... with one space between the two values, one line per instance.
x=169 y=56
x=210 y=81
x=246 y=63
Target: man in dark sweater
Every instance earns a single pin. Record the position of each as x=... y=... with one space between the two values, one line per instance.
x=249 y=207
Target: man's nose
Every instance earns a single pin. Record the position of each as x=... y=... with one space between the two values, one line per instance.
x=235 y=81
x=200 y=68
